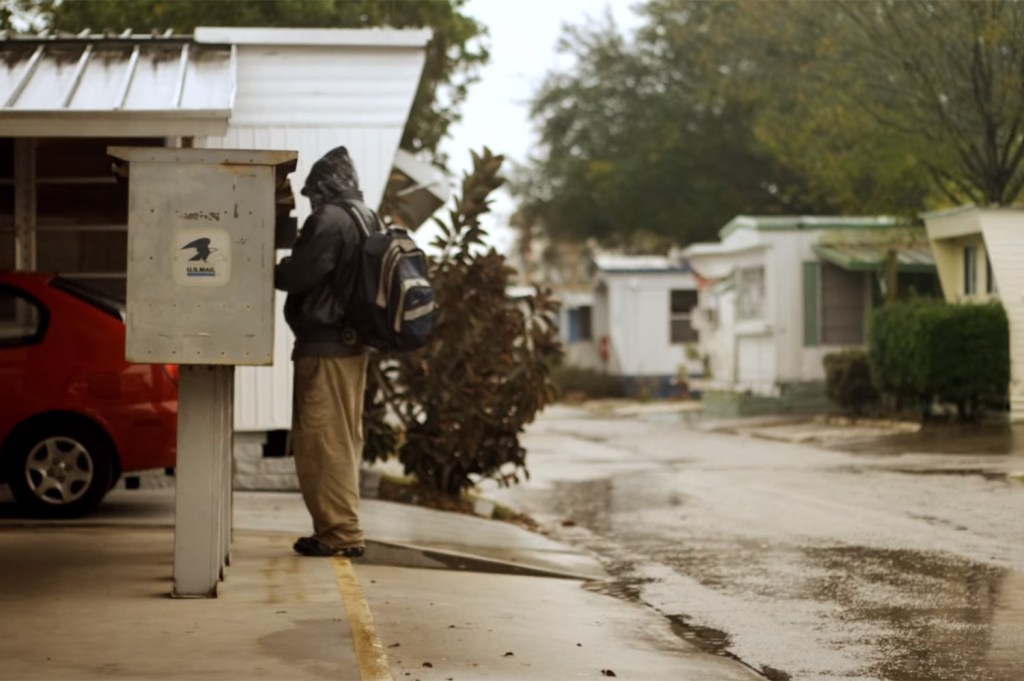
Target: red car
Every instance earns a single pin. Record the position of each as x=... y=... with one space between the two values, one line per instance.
x=74 y=415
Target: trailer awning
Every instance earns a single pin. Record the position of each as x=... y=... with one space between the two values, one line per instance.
x=418 y=189
x=872 y=257
x=92 y=85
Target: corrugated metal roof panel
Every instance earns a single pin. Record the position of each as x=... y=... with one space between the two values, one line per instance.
x=102 y=78
x=101 y=83
x=859 y=257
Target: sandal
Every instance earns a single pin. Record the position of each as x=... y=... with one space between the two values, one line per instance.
x=311 y=546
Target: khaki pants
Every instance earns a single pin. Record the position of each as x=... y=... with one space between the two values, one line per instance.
x=327 y=441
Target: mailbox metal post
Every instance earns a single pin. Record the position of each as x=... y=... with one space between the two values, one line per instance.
x=201 y=238
x=202 y=536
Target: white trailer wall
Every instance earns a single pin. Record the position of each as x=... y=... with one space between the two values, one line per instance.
x=356 y=91
x=638 y=322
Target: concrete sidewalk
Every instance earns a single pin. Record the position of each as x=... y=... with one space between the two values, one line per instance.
x=438 y=596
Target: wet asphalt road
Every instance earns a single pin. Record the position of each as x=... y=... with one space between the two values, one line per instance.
x=902 y=560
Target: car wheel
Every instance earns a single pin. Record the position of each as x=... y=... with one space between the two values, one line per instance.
x=60 y=470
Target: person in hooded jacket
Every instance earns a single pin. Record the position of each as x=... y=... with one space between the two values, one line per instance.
x=329 y=360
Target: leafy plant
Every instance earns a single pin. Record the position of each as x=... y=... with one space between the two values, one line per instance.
x=458 y=406
x=848 y=382
x=892 y=348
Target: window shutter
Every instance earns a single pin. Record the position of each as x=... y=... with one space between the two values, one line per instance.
x=812 y=287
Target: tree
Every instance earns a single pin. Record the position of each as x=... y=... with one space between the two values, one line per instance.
x=635 y=146
x=719 y=108
x=454 y=56
x=882 y=106
x=463 y=400
x=947 y=74
x=776 y=58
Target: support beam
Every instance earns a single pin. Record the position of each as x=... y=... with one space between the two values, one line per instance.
x=202 y=535
x=25 y=204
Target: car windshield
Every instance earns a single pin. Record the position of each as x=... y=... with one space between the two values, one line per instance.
x=101 y=301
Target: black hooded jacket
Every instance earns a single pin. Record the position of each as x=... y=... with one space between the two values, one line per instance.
x=322 y=262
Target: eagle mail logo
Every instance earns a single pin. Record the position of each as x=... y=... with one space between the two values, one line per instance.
x=202 y=257
x=203 y=252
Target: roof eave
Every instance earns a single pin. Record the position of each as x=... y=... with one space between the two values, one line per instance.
x=802 y=223
x=307 y=37
x=649 y=270
x=119 y=123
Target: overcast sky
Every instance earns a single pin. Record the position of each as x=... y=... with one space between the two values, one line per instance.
x=523 y=35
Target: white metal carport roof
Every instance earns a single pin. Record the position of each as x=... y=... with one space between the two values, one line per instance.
x=125 y=85
x=132 y=85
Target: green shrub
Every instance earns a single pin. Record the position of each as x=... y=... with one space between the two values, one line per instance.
x=966 y=355
x=848 y=382
x=956 y=354
x=575 y=383
x=892 y=349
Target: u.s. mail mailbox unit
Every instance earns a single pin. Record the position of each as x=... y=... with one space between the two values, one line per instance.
x=201 y=254
x=200 y=292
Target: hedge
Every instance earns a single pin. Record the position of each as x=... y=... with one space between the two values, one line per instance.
x=848 y=382
x=956 y=354
x=578 y=383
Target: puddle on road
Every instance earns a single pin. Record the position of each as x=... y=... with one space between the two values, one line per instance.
x=588 y=503
x=944 y=439
x=863 y=613
x=595 y=503
x=943 y=618
x=708 y=639
x=824 y=612
x=716 y=642
x=687 y=418
x=652 y=412
x=626 y=586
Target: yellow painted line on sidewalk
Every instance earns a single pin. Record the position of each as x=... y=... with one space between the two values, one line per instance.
x=373 y=663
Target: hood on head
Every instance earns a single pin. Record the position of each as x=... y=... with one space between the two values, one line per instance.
x=332 y=179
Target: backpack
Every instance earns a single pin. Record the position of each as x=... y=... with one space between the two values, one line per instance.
x=391 y=306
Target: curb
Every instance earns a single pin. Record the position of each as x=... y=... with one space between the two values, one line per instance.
x=394 y=554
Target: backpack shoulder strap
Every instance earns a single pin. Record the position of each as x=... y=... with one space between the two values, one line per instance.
x=365 y=218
